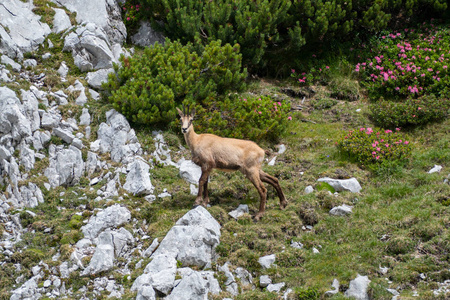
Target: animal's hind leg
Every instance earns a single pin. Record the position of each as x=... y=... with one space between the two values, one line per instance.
x=205 y=193
x=273 y=181
x=254 y=177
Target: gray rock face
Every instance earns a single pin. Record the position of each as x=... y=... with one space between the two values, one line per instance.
x=103 y=13
x=194 y=285
x=146 y=36
x=110 y=244
x=358 y=288
x=25 y=31
x=111 y=217
x=138 y=179
x=159 y=273
x=61 y=20
x=8 y=61
x=103 y=258
x=339 y=185
x=275 y=287
x=230 y=284
x=116 y=137
x=309 y=189
x=97 y=78
x=193 y=239
x=190 y=171
x=66 y=166
x=90 y=48
x=12 y=116
x=341 y=210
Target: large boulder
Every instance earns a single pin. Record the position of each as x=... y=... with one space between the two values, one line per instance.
x=21 y=30
x=90 y=48
x=111 y=217
x=194 y=285
x=193 y=239
x=66 y=166
x=104 y=14
x=138 y=178
x=358 y=288
x=12 y=116
x=116 y=137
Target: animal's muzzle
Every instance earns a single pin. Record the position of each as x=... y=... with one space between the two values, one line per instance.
x=184 y=130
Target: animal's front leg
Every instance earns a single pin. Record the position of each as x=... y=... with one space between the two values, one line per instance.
x=201 y=187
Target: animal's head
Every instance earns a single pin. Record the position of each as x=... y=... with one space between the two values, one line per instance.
x=186 y=118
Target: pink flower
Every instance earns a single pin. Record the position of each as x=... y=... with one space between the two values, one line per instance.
x=290 y=118
x=128 y=18
x=378 y=149
x=419 y=108
x=378 y=157
x=398 y=129
x=292 y=70
x=374 y=145
x=374 y=153
x=279 y=103
x=406 y=142
x=387 y=145
x=259 y=112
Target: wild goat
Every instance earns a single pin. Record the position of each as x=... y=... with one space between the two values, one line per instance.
x=210 y=151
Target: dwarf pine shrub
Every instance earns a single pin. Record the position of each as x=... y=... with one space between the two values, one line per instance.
x=254 y=118
x=375 y=148
x=147 y=88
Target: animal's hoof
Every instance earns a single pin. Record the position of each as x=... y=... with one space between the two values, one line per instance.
x=283 y=204
x=257 y=217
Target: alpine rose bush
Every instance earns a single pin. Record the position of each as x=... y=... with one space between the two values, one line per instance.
x=376 y=147
x=409 y=64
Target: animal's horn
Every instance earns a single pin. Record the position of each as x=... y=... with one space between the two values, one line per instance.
x=184 y=110
x=188 y=109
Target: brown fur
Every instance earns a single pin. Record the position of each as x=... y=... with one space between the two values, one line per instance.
x=210 y=151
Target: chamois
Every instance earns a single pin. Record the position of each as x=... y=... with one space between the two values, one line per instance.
x=210 y=151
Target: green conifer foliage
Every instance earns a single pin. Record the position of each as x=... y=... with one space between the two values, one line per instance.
x=270 y=30
x=147 y=88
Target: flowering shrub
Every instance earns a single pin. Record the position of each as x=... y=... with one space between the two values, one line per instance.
x=254 y=118
x=410 y=112
x=315 y=75
x=410 y=63
x=375 y=147
x=132 y=14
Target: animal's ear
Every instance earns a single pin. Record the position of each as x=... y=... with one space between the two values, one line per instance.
x=193 y=112
x=180 y=112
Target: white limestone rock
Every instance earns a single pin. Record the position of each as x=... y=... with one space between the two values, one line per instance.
x=267 y=261
x=193 y=239
x=342 y=210
x=339 y=185
x=61 y=20
x=138 y=178
x=111 y=217
x=358 y=288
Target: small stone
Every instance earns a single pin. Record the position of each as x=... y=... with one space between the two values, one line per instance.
x=267 y=261
x=296 y=245
x=275 y=287
x=436 y=168
x=342 y=210
x=309 y=189
x=264 y=281
x=46 y=56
